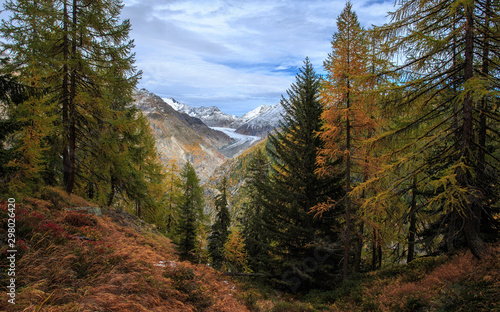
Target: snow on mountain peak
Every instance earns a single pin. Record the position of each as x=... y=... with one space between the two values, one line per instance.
x=257 y=122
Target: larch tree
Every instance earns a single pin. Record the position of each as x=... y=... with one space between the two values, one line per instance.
x=346 y=118
x=79 y=51
x=449 y=86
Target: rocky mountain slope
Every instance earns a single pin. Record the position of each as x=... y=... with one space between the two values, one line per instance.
x=180 y=137
x=200 y=135
x=258 y=122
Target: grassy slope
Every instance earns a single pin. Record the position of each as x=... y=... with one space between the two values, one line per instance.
x=441 y=284
x=119 y=269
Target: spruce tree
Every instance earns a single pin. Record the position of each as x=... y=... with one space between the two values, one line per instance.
x=255 y=235
x=191 y=210
x=295 y=187
x=220 y=227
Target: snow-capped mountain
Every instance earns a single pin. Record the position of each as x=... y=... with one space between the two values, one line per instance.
x=211 y=116
x=258 y=122
x=180 y=137
x=261 y=120
x=250 y=115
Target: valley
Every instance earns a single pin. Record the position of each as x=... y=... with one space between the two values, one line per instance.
x=239 y=142
x=204 y=136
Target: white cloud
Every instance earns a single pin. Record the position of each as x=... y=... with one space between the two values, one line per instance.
x=236 y=54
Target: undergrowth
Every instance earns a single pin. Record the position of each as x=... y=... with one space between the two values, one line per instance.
x=73 y=261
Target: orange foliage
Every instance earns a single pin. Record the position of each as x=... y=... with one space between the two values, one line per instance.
x=129 y=268
x=393 y=294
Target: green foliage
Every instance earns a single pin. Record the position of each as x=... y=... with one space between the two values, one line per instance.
x=220 y=227
x=443 y=106
x=255 y=233
x=191 y=212
x=84 y=116
x=294 y=188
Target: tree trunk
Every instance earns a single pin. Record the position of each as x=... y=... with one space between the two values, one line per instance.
x=413 y=219
x=374 y=250
x=112 y=193
x=470 y=213
x=359 y=248
x=65 y=98
x=72 y=106
x=347 y=234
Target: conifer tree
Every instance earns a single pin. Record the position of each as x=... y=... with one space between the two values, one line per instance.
x=192 y=215
x=294 y=186
x=347 y=119
x=254 y=233
x=12 y=93
x=81 y=53
x=173 y=196
x=235 y=256
x=445 y=86
x=220 y=227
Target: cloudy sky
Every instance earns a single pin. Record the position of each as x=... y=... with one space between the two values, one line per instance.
x=235 y=54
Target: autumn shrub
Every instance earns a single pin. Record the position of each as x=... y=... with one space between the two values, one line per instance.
x=79 y=219
x=60 y=199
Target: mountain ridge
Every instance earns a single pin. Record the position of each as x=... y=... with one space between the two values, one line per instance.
x=257 y=122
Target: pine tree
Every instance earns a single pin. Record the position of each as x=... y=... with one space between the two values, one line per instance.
x=192 y=215
x=220 y=227
x=295 y=188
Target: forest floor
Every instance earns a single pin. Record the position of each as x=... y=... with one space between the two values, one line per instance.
x=74 y=261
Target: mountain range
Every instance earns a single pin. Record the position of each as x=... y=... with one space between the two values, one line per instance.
x=205 y=136
x=258 y=122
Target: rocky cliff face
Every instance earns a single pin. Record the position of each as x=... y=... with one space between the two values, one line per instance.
x=180 y=137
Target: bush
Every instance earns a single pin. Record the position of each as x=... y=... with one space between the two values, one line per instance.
x=79 y=219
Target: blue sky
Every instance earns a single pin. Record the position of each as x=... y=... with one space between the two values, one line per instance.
x=235 y=54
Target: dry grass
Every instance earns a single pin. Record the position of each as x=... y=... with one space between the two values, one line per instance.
x=463 y=283
x=117 y=272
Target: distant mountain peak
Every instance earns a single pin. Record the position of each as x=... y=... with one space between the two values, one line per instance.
x=211 y=116
x=257 y=122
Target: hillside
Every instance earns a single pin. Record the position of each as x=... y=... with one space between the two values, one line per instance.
x=180 y=137
x=235 y=170
x=74 y=261
x=438 y=284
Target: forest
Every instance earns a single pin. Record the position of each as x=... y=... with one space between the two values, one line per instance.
x=390 y=157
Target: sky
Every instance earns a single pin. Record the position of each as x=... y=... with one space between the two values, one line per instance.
x=234 y=54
